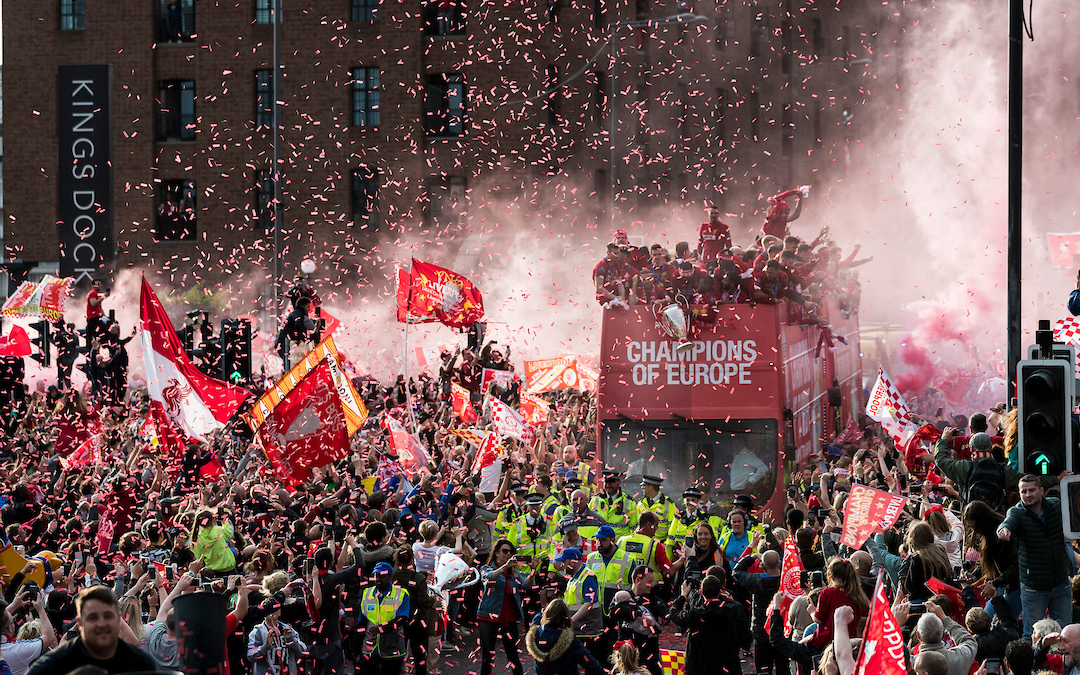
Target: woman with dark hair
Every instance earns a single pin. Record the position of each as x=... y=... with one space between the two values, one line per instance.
x=500 y=606
x=551 y=642
x=998 y=561
x=925 y=558
x=844 y=589
x=415 y=584
x=704 y=554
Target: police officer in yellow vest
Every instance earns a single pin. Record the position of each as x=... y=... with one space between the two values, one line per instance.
x=644 y=546
x=614 y=506
x=384 y=611
x=659 y=503
x=511 y=512
x=688 y=518
x=588 y=521
x=569 y=487
x=583 y=597
x=574 y=467
x=613 y=568
x=531 y=534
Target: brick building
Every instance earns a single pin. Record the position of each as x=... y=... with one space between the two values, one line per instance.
x=405 y=118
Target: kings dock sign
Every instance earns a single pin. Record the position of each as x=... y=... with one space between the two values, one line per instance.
x=84 y=199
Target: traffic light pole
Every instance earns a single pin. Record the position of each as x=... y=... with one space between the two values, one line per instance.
x=1016 y=128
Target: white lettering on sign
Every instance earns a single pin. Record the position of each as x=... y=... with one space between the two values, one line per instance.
x=716 y=362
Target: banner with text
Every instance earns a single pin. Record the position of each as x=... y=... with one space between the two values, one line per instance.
x=869 y=511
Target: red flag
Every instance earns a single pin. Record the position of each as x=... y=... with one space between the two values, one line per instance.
x=534 y=408
x=410 y=451
x=74 y=428
x=194 y=402
x=487 y=453
x=883 y=643
x=954 y=594
x=509 y=422
x=462 y=404
x=211 y=469
x=171 y=441
x=790 y=580
x=15 y=343
x=437 y=294
x=88 y=452
x=307 y=418
x=868 y=511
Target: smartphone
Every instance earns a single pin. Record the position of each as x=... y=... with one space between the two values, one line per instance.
x=170 y=573
x=309 y=566
x=78 y=559
x=151 y=572
x=993 y=666
x=917 y=609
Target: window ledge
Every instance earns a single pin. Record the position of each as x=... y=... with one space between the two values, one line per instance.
x=176 y=141
x=447 y=138
x=448 y=38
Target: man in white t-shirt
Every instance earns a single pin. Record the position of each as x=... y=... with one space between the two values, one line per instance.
x=19 y=655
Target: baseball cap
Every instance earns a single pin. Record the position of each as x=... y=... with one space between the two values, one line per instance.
x=604 y=532
x=569 y=554
x=383 y=568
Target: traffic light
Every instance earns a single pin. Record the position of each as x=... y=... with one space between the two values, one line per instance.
x=1045 y=392
x=42 y=341
x=236 y=351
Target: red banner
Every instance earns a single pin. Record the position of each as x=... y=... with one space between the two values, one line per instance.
x=790 y=579
x=462 y=405
x=868 y=511
x=567 y=372
x=431 y=293
x=534 y=408
x=15 y=343
x=503 y=378
x=883 y=643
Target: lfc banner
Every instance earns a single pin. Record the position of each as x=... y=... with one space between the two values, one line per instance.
x=790 y=579
x=533 y=408
x=868 y=511
x=461 y=404
x=566 y=372
x=883 y=643
x=45 y=299
x=307 y=418
x=887 y=407
x=430 y=293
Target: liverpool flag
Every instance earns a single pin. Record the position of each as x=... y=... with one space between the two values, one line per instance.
x=193 y=402
x=430 y=293
x=307 y=418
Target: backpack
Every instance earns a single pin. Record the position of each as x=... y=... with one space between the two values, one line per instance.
x=986 y=483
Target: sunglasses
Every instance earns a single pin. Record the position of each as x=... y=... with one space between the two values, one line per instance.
x=508 y=551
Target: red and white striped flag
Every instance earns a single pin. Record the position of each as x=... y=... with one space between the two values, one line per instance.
x=509 y=422
x=193 y=402
x=887 y=407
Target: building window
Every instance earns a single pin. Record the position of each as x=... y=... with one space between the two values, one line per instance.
x=754 y=112
x=599 y=14
x=819 y=40
x=264 y=11
x=264 y=199
x=721 y=117
x=176 y=20
x=365 y=88
x=554 y=96
x=365 y=10
x=72 y=14
x=446 y=201
x=684 y=111
x=553 y=7
x=787 y=46
x=264 y=98
x=176 y=110
x=759 y=34
x=445 y=102
x=444 y=17
x=176 y=211
x=365 y=197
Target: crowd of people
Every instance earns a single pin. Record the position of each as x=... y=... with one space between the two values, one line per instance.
x=776 y=267
x=572 y=570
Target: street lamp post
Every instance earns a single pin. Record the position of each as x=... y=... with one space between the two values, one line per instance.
x=683 y=18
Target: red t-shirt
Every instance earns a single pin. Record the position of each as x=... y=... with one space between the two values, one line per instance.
x=775 y=289
x=94 y=311
x=828 y=601
x=713 y=238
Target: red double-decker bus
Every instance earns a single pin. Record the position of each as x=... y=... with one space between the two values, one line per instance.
x=754 y=395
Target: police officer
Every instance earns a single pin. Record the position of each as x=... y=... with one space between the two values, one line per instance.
x=569 y=486
x=588 y=521
x=542 y=487
x=511 y=512
x=687 y=519
x=531 y=533
x=384 y=610
x=583 y=597
x=614 y=506
x=612 y=567
x=645 y=547
x=575 y=468
x=659 y=503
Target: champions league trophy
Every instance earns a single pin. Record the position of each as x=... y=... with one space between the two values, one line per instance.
x=452 y=573
x=674 y=320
